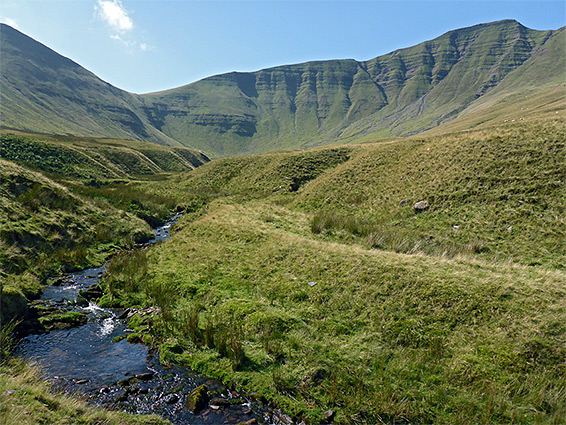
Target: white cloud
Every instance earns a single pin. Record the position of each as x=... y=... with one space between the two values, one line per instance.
x=114 y=14
x=146 y=47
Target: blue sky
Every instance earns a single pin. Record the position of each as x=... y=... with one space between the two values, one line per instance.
x=150 y=45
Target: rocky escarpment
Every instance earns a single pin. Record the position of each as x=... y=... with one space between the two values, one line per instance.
x=293 y=106
x=308 y=104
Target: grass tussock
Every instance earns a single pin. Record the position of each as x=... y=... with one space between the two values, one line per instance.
x=394 y=239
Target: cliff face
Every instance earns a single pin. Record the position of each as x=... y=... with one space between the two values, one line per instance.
x=292 y=106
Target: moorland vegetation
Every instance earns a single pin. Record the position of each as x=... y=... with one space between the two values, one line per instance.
x=398 y=280
x=308 y=276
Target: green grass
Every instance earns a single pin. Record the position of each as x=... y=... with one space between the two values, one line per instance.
x=68 y=202
x=336 y=295
x=496 y=192
x=374 y=335
x=307 y=276
x=95 y=160
x=63 y=208
x=43 y=223
x=27 y=399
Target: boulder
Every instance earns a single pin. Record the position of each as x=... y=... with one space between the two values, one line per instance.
x=63 y=320
x=58 y=281
x=420 y=206
x=93 y=292
x=197 y=399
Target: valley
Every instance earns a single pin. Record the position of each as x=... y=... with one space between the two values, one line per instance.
x=323 y=264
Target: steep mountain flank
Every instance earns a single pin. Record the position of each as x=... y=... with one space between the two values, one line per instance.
x=293 y=106
x=42 y=91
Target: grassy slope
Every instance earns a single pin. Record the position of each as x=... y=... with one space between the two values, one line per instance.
x=380 y=335
x=25 y=398
x=43 y=91
x=523 y=94
x=302 y=105
x=65 y=207
x=89 y=158
x=501 y=187
x=254 y=289
x=483 y=181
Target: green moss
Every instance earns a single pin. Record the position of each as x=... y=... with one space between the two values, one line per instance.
x=13 y=304
x=197 y=400
x=63 y=320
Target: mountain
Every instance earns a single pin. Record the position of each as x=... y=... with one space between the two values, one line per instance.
x=294 y=106
x=42 y=91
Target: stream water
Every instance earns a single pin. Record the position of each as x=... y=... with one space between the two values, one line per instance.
x=84 y=360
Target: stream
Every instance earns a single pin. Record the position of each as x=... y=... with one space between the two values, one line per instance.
x=125 y=376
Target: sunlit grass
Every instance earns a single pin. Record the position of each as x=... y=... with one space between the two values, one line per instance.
x=28 y=399
x=369 y=333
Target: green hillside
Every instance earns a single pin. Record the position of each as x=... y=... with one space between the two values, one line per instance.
x=310 y=278
x=315 y=103
x=42 y=91
x=88 y=158
x=286 y=107
x=378 y=280
x=68 y=202
x=501 y=187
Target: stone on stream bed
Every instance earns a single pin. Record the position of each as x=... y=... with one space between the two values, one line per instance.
x=171 y=398
x=197 y=399
x=80 y=301
x=128 y=381
x=250 y=422
x=66 y=320
x=58 y=281
x=145 y=376
x=93 y=292
x=44 y=308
